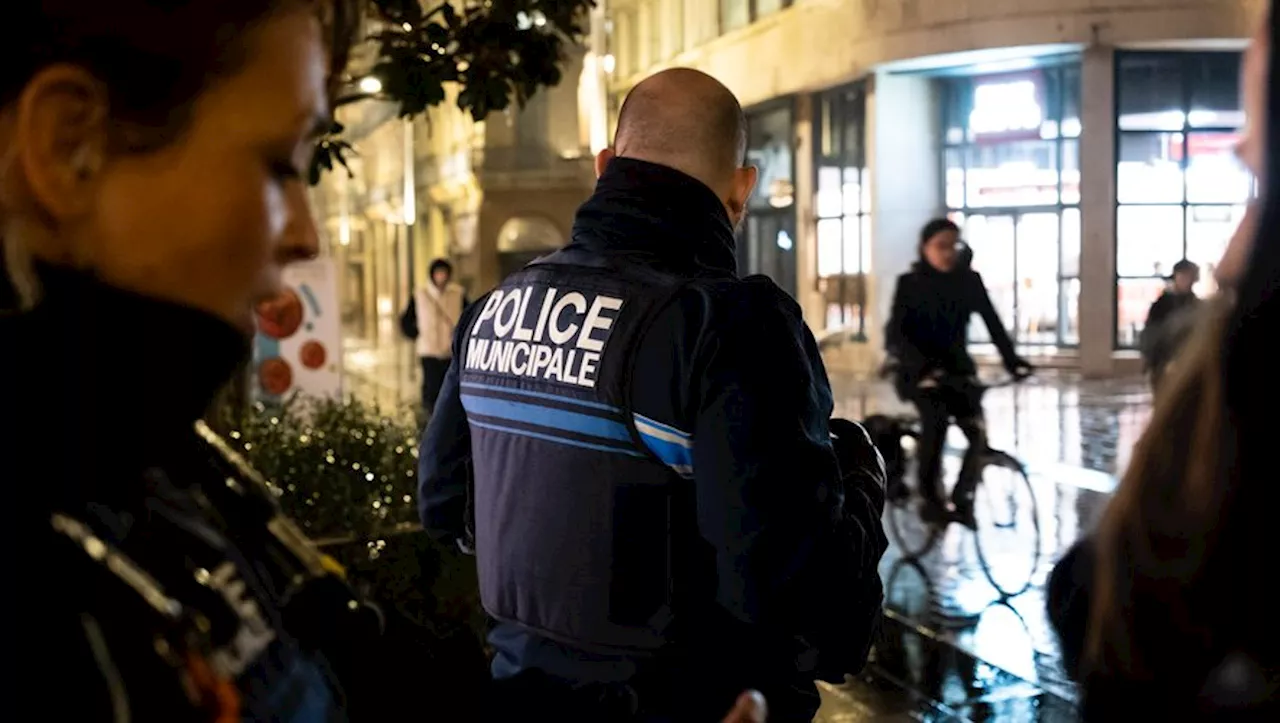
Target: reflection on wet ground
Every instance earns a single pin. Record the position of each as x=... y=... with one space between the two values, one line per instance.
x=953 y=648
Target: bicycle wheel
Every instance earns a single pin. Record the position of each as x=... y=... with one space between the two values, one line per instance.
x=911 y=535
x=1007 y=535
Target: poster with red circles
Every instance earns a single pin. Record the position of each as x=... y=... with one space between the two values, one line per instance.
x=298 y=347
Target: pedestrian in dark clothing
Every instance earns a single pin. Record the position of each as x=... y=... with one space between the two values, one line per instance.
x=927 y=341
x=663 y=515
x=154 y=158
x=1165 y=608
x=1170 y=320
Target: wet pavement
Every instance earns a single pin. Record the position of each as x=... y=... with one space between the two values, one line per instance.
x=954 y=648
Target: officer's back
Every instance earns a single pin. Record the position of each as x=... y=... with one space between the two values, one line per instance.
x=658 y=510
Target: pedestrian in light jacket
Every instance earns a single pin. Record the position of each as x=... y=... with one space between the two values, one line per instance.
x=429 y=320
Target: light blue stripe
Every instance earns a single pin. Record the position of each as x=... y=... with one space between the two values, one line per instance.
x=663 y=427
x=671 y=454
x=546 y=417
x=556 y=440
x=539 y=395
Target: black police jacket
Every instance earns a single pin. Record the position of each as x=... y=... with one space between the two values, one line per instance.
x=778 y=561
x=150 y=574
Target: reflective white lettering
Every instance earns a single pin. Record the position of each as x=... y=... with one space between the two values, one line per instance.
x=540 y=359
x=546 y=311
x=595 y=321
x=500 y=327
x=587 y=373
x=490 y=306
x=561 y=335
x=569 y=376
x=520 y=367
x=476 y=349
x=521 y=333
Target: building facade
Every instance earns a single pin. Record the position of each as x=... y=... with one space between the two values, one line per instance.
x=1084 y=146
x=487 y=196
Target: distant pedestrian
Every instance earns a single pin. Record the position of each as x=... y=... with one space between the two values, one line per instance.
x=432 y=315
x=1170 y=320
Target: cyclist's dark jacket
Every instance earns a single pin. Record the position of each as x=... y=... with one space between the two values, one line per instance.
x=140 y=556
x=657 y=500
x=929 y=323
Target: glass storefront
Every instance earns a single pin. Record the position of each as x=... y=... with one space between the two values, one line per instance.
x=1180 y=191
x=1012 y=181
x=767 y=244
x=843 y=207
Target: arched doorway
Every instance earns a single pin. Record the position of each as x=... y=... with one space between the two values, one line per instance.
x=523 y=239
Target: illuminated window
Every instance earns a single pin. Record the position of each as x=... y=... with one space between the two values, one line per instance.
x=1011 y=178
x=1180 y=191
x=736 y=14
x=843 y=207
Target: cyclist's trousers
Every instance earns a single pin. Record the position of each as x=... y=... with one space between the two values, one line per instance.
x=937 y=408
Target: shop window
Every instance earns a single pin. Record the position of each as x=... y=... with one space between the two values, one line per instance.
x=843 y=208
x=1180 y=191
x=1011 y=173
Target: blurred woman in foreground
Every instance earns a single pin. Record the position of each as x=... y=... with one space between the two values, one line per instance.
x=152 y=166
x=1168 y=612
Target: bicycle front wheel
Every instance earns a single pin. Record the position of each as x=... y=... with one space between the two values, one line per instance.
x=1007 y=535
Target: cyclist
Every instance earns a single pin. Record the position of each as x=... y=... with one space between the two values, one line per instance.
x=926 y=340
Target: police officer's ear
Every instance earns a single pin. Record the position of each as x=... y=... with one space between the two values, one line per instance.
x=602 y=161
x=744 y=182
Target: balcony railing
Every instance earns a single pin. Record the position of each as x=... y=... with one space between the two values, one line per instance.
x=527 y=165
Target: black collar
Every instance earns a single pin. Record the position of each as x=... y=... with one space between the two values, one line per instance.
x=100 y=383
x=641 y=208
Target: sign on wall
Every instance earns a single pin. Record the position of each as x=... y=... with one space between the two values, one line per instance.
x=298 y=347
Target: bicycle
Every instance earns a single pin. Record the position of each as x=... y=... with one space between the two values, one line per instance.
x=1004 y=503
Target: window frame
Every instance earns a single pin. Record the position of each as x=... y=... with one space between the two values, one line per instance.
x=753 y=14
x=1061 y=65
x=864 y=217
x=1185 y=61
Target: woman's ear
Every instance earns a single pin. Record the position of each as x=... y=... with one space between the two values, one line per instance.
x=60 y=133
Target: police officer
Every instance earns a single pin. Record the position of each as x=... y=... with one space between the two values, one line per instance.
x=660 y=518
x=149 y=574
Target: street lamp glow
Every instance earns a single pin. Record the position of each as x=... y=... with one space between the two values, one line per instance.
x=608 y=62
x=370 y=84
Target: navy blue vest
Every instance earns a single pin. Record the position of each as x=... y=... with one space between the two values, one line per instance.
x=573 y=491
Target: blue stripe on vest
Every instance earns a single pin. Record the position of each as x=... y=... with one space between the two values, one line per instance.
x=546 y=417
x=672 y=446
x=540 y=395
x=554 y=439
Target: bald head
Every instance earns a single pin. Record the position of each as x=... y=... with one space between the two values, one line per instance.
x=687 y=120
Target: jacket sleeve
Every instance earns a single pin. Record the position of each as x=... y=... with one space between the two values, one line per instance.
x=895 y=337
x=768 y=493
x=444 y=457
x=995 y=327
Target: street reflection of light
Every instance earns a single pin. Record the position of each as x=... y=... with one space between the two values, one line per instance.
x=370 y=84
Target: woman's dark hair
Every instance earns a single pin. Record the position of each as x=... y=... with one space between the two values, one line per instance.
x=1177 y=585
x=935 y=227
x=439 y=264
x=154 y=57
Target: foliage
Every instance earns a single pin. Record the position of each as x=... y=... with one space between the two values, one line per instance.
x=345 y=469
x=496 y=51
x=348 y=474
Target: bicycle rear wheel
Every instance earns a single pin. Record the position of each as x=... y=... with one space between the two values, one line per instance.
x=1007 y=535
x=912 y=535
